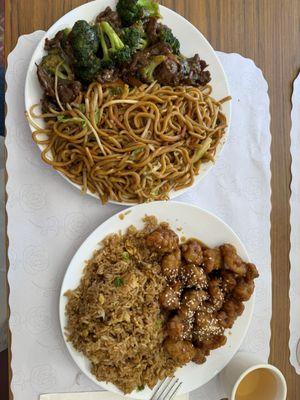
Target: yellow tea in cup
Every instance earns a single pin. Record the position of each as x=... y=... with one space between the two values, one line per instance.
x=259 y=384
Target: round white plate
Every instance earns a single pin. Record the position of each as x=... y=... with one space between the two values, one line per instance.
x=195 y=223
x=192 y=41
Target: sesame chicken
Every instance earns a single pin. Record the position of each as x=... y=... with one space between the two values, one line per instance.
x=170 y=264
x=178 y=328
x=200 y=356
x=192 y=252
x=215 y=342
x=182 y=351
x=243 y=290
x=193 y=276
x=162 y=240
x=212 y=260
x=230 y=311
x=228 y=281
x=216 y=293
x=193 y=298
x=232 y=260
x=177 y=286
x=203 y=296
x=233 y=307
x=252 y=272
x=169 y=300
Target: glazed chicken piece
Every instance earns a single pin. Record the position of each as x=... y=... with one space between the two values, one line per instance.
x=206 y=326
x=200 y=356
x=170 y=264
x=243 y=290
x=233 y=307
x=192 y=298
x=177 y=286
x=232 y=260
x=193 y=276
x=252 y=272
x=178 y=328
x=230 y=311
x=191 y=301
x=212 y=260
x=216 y=293
x=162 y=240
x=182 y=351
x=192 y=252
x=228 y=281
x=169 y=299
x=215 y=342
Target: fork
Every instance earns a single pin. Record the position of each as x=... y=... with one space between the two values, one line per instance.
x=166 y=389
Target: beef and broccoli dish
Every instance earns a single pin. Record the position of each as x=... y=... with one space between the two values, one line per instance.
x=131 y=44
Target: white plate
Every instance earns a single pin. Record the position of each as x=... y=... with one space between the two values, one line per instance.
x=195 y=223
x=192 y=41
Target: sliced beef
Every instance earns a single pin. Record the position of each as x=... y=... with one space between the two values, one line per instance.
x=62 y=46
x=193 y=72
x=189 y=71
x=67 y=90
x=54 y=43
x=47 y=104
x=168 y=72
x=46 y=81
x=152 y=28
x=142 y=58
x=107 y=75
x=110 y=16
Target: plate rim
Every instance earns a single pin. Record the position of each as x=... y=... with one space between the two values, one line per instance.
x=61 y=310
x=220 y=147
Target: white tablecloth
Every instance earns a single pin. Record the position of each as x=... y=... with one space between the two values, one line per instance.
x=49 y=219
x=295 y=230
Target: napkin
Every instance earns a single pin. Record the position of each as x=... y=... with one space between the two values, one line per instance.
x=91 y=396
x=295 y=233
x=48 y=219
x=3 y=295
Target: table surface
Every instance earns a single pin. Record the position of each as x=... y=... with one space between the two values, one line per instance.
x=268 y=32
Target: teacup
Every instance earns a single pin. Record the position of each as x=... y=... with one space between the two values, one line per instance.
x=246 y=378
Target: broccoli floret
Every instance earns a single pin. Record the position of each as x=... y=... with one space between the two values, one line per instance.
x=122 y=56
x=131 y=11
x=84 y=42
x=146 y=73
x=166 y=36
x=64 y=39
x=113 y=52
x=87 y=74
x=135 y=38
x=117 y=52
x=50 y=63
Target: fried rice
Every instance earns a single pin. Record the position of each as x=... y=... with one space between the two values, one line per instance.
x=114 y=317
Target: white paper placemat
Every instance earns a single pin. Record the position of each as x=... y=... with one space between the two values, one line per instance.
x=48 y=219
x=3 y=293
x=295 y=229
x=91 y=396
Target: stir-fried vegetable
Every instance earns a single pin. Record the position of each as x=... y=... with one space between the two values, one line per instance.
x=85 y=43
x=117 y=51
x=131 y=11
x=135 y=37
x=148 y=71
x=51 y=61
x=166 y=36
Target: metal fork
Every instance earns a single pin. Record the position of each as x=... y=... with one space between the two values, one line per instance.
x=166 y=389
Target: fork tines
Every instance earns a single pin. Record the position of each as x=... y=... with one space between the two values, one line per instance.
x=166 y=389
